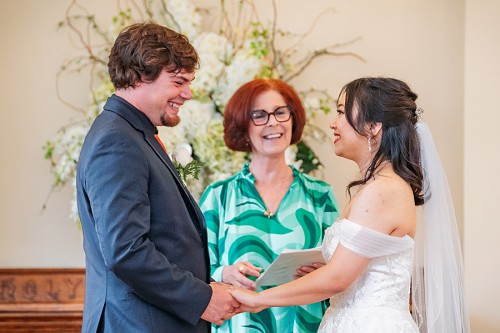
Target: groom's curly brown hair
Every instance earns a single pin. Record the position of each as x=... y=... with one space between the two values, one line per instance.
x=143 y=50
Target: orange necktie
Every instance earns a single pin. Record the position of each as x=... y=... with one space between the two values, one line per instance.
x=161 y=143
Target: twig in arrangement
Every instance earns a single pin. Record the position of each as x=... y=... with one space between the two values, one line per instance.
x=85 y=40
x=273 y=37
x=304 y=64
x=59 y=95
x=304 y=35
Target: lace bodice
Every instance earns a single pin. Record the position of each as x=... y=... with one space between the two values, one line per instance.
x=378 y=301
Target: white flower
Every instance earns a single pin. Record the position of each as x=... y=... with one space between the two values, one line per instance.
x=243 y=68
x=183 y=153
x=213 y=49
x=290 y=157
x=195 y=117
x=186 y=16
x=73 y=213
x=312 y=105
x=311 y=102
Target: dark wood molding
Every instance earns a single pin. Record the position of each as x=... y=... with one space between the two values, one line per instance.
x=41 y=299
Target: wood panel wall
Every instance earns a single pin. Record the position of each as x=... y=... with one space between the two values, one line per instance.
x=41 y=300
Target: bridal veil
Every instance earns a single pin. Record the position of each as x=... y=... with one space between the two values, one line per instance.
x=438 y=297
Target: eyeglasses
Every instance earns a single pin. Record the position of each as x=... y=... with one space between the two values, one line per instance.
x=261 y=117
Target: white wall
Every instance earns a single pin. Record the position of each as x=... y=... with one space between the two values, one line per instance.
x=31 y=53
x=482 y=162
x=422 y=42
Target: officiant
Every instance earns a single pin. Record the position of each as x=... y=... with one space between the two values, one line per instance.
x=268 y=206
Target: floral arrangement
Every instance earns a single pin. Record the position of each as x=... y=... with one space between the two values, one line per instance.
x=240 y=49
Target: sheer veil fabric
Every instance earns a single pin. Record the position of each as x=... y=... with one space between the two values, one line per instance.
x=438 y=295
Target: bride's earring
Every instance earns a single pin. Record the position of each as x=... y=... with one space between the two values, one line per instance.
x=369 y=143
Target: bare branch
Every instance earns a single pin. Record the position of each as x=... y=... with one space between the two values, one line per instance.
x=275 y=59
x=61 y=71
x=311 y=29
x=321 y=53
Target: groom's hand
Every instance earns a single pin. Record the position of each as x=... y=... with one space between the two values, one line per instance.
x=222 y=305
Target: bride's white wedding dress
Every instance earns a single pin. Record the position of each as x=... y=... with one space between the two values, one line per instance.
x=378 y=301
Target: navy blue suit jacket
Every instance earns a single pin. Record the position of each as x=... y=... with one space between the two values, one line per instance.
x=147 y=265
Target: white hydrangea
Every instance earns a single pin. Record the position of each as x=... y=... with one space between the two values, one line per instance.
x=195 y=116
x=311 y=102
x=243 y=68
x=67 y=146
x=171 y=138
x=210 y=149
x=290 y=157
x=73 y=212
x=213 y=50
x=186 y=16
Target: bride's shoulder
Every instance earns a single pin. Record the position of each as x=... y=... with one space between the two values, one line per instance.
x=382 y=204
x=384 y=188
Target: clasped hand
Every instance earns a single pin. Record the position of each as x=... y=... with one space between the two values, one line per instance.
x=236 y=293
x=243 y=291
x=249 y=300
x=222 y=305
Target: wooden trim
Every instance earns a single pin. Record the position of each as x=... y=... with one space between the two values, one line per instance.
x=41 y=299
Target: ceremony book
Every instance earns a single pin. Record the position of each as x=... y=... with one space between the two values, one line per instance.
x=285 y=266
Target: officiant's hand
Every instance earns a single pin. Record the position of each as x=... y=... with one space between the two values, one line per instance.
x=237 y=274
x=304 y=270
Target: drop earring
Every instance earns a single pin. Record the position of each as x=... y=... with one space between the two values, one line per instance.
x=369 y=143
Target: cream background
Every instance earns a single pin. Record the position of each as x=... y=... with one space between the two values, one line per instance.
x=447 y=50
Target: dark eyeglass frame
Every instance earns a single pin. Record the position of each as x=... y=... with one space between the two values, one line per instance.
x=262 y=112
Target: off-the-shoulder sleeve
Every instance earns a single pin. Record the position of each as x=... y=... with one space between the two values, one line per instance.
x=369 y=243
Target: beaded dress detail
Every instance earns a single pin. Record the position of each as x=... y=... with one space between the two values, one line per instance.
x=378 y=301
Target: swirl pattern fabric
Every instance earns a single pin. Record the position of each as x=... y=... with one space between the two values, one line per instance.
x=378 y=301
x=238 y=230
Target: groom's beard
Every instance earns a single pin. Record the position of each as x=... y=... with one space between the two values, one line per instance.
x=170 y=121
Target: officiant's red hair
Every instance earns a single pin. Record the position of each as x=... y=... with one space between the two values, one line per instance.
x=237 y=112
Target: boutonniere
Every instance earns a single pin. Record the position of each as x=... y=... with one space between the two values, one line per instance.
x=184 y=163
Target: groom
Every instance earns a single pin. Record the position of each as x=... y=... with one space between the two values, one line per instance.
x=147 y=266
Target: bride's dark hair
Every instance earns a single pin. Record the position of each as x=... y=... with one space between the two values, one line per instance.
x=392 y=103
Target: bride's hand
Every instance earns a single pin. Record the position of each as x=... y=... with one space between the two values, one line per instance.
x=249 y=300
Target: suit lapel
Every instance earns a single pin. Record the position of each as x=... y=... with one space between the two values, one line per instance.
x=141 y=123
x=180 y=184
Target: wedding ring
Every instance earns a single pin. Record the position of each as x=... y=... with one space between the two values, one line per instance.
x=241 y=268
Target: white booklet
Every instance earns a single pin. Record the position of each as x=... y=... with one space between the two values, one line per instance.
x=285 y=266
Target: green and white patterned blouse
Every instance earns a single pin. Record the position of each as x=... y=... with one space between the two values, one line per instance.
x=238 y=230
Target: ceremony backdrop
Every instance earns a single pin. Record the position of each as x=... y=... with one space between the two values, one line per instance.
x=447 y=50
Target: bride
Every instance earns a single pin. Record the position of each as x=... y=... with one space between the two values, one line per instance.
x=370 y=250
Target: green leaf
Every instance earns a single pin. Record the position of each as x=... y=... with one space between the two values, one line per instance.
x=191 y=169
x=49 y=150
x=310 y=161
